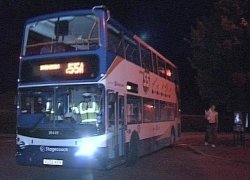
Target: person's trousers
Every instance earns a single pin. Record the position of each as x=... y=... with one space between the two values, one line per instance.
x=211 y=133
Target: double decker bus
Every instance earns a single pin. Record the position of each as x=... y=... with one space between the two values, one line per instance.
x=91 y=93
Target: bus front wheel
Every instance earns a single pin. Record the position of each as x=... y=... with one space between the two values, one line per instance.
x=132 y=153
x=172 y=138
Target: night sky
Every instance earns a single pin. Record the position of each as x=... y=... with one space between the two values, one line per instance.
x=164 y=24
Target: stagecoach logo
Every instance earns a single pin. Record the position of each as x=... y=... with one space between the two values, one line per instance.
x=146 y=81
x=53 y=149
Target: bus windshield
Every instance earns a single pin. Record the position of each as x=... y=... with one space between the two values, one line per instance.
x=61 y=34
x=78 y=109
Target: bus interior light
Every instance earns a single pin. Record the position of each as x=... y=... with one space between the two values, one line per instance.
x=132 y=87
x=169 y=73
x=129 y=87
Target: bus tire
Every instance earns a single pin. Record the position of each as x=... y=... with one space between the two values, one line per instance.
x=132 y=153
x=172 y=138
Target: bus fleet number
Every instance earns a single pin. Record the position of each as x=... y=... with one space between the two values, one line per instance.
x=75 y=68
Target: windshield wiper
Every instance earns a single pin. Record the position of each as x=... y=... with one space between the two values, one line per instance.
x=34 y=128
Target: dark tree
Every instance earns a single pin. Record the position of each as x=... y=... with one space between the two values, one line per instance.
x=221 y=54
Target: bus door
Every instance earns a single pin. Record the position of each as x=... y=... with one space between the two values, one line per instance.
x=116 y=125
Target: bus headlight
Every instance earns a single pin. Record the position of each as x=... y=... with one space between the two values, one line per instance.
x=89 y=145
x=87 y=148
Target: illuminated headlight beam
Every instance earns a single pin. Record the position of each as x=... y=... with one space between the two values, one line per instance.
x=86 y=149
x=88 y=145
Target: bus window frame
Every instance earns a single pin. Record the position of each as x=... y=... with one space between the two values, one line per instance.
x=117 y=35
x=136 y=102
x=145 y=58
x=135 y=53
x=149 y=109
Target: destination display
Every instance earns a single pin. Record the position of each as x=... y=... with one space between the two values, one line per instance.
x=68 y=68
x=75 y=68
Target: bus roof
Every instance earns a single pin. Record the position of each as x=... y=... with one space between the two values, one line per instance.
x=61 y=13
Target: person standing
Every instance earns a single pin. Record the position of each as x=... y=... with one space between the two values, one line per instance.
x=212 y=125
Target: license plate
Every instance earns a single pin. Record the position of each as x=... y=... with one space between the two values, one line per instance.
x=54 y=162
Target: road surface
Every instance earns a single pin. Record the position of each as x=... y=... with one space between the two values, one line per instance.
x=169 y=163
